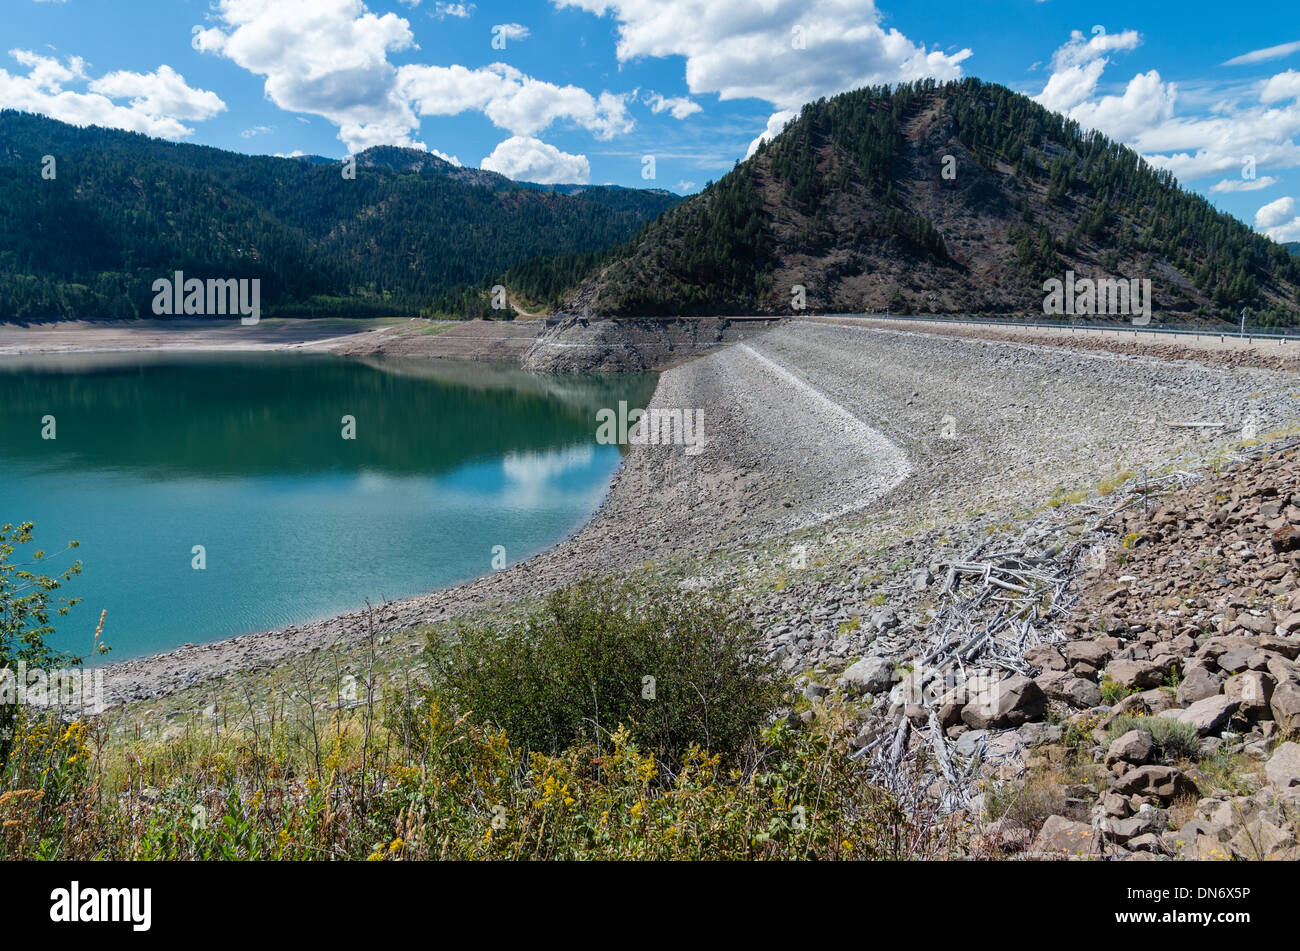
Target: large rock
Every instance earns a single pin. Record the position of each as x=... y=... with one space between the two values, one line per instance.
x=1045 y=656
x=1235 y=661
x=1158 y=782
x=1060 y=834
x=1059 y=685
x=869 y=675
x=1145 y=822
x=1006 y=703
x=1253 y=689
x=1136 y=674
x=1283 y=769
x=1206 y=715
x=1197 y=685
x=1285 y=705
x=1135 y=746
x=1088 y=652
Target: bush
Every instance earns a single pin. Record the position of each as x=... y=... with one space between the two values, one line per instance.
x=1173 y=739
x=579 y=667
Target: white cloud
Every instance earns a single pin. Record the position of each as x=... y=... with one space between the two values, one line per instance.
x=324 y=57
x=159 y=102
x=512 y=100
x=1281 y=87
x=775 y=125
x=1078 y=65
x=163 y=92
x=530 y=160
x=679 y=107
x=1275 y=212
x=330 y=58
x=462 y=11
x=1231 y=133
x=1264 y=55
x=512 y=31
x=748 y=49
x=1243 y=184
x=256 y=130
x=1278 y=220
x=1146 y=103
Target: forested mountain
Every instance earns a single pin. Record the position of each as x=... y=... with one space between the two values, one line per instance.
x=960 y=198
x=122 y=210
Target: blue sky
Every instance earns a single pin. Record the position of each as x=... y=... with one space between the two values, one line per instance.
x=584 y=90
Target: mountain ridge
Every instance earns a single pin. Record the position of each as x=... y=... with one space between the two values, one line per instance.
x=404 y=236
x=955 y=198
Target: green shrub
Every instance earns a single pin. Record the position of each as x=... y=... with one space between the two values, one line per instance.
x=577 y=669
x=1173 y=739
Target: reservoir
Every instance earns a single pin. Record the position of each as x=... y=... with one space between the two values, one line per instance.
x=220 y=494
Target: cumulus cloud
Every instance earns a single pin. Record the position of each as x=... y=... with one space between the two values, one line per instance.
x=530 y=160
x=784 y=52
x=325 y=57
x=679 y=107
x=1078 y=65
x=512 y=100
x=775 y=126
x=1275 y=212
x=1257 y=130
x=1280 y=87
x=461 y=11
x=158 y=103
x=1278 y=220
x=330 y=58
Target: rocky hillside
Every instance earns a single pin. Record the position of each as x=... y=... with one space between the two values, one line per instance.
x=948 y=199
x=1160 y=716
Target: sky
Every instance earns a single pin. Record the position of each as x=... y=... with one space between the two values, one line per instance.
x=661 y=93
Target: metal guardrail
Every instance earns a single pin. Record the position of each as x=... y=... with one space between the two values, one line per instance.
x=1249 y=335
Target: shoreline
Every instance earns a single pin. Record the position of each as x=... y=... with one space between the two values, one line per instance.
x=817 y=428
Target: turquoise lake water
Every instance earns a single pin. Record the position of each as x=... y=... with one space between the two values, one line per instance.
x=244 y=455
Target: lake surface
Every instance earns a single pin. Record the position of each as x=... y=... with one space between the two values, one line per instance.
x=244 y=455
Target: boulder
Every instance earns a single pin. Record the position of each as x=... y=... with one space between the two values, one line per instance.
x=1234 y=661
x=1045 y=656
x=1060 y=834
x=1253 y=689
x=1146 y=821
x=1283 y=768
x=1197 y=685
x=1059 y=685
x=1005 y=703
x=1139 y=674
x=1208 y=715
x=869 y=675
x=1156 y=782
x=1135 y=746
x=1285 y=705
x=1087 y=652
